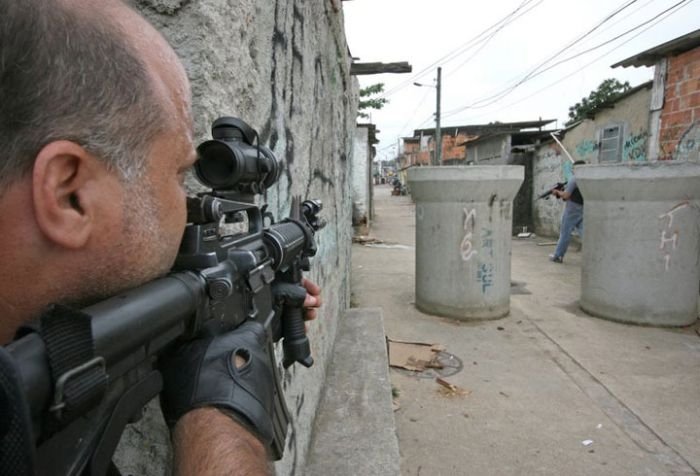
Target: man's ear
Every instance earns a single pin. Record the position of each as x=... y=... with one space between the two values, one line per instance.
x=63 y=180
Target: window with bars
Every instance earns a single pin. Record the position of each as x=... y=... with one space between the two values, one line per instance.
x=610 y=143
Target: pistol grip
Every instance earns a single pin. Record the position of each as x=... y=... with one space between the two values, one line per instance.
x=296 y=344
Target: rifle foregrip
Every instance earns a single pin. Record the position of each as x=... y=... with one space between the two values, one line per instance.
x=296 y=344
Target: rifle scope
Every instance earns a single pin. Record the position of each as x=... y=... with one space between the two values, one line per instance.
x=231 y=161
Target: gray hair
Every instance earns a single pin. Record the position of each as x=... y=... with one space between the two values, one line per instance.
x=70 y=75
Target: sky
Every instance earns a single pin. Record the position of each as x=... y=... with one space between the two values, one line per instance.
x=502 y=60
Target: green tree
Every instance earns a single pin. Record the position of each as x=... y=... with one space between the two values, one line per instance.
x=607 y=91
x=370 y=100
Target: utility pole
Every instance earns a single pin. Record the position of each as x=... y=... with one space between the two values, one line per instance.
x=436 y=158
x=438 y=134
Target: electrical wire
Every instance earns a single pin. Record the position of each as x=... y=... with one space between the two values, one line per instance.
x=487 y=101
x=474 y=41
x=559 y=80
x=527 y=76
x=410 y=118
x=487 y=40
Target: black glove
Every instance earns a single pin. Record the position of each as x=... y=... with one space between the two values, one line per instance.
x=202 y=373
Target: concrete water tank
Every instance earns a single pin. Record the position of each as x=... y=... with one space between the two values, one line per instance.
x=641 y=241
x=463 y=238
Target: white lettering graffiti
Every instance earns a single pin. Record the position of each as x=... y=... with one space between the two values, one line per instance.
x=673 y=237
x=466 y=248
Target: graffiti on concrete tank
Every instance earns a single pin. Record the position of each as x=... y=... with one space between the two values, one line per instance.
x=635 y=147
x=487 y=241
x=669 y=236
x=466 y=248
x=484 y=274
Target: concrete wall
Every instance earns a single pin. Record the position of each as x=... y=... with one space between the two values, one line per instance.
x=283 y=67
x=631 y=112
x=549 y=167
x=361 y=189
x=679 y=128
x=492 y=151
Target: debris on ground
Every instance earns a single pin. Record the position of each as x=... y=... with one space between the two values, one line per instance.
x=364 y=239
x=587 y=442
x=416 y=356
x=388 y=246
x=448 y=389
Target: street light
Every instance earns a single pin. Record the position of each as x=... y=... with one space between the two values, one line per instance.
x=437 y=157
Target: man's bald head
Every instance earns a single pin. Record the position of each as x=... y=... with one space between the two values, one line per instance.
x=77 y=70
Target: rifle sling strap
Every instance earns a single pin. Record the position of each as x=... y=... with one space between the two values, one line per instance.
x=79 y=377
x=16 y=440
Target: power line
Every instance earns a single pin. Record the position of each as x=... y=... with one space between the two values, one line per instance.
x=487 y=101
x=491 y=36
x=569 y=45
x=611 y=39
x=420 y=103
x=559 y=80
x=589 y=32
x=474 y=41
x=496 y=27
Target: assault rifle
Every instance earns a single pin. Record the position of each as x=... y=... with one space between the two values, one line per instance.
x=88 y=373
x=558 y=186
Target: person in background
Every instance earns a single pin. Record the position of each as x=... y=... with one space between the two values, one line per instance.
x=571 y=219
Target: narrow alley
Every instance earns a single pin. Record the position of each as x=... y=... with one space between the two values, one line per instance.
x=547 y=390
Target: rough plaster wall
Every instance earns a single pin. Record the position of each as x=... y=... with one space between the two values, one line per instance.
x=282 y=66
x=493 y=151
x=360 y=177
x=552 y=165
x=632 y=112
x=548 y=169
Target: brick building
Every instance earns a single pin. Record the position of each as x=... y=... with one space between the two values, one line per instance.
x=418 y=149
x=674 y=123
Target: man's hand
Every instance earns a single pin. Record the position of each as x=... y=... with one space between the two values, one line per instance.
x=231 y=372
x=313 y=299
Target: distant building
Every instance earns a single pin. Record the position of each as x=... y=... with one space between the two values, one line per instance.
x=362 y=172
x=497 y=143
x=419 y=148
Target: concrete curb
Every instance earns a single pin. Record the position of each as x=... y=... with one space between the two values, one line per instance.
x=354 y=431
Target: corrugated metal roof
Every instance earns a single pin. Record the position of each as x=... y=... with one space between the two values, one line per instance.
x=492 y=127
x=516 y=134
x=670 y=48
